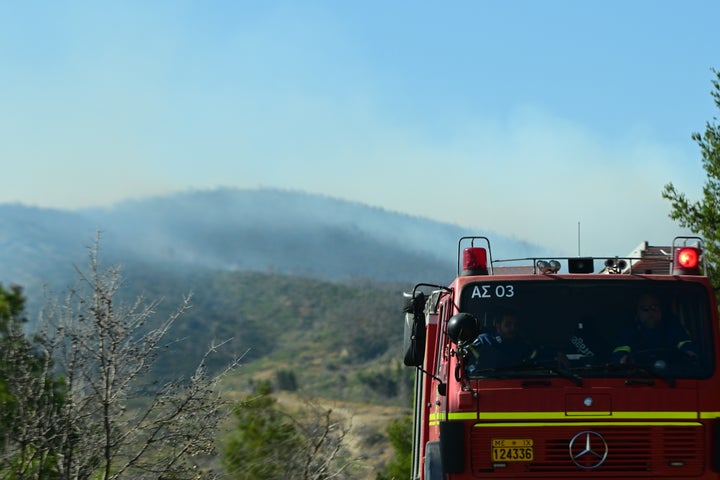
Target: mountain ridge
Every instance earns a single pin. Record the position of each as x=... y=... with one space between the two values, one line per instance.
x=230 y=229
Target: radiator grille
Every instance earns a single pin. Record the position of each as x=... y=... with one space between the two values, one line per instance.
x=647 y=451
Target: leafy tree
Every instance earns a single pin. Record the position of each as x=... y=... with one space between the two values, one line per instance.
x=703 y=217
x=12 y=304
x=382 y=382
x=30 y=400
x=389 y=381
x=286 y=380
x=264 y=443
x=271 y=443
x=400 y=436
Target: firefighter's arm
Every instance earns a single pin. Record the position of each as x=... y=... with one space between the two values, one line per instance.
x=683 y=341
x=621 y=353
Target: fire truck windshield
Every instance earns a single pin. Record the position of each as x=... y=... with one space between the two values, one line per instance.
x=588 y=328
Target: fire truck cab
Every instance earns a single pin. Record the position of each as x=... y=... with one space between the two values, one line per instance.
x=567 y=367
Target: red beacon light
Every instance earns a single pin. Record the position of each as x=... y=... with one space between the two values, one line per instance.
x=474 y=261
x=686 y=261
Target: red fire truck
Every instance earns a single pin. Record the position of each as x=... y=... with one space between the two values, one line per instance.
x=609 y=369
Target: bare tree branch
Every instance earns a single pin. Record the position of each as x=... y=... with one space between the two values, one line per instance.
x=99 y=351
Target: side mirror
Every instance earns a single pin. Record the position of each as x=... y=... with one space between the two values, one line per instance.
x=414 y=336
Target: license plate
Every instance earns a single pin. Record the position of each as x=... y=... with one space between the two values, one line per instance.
x=513 y=450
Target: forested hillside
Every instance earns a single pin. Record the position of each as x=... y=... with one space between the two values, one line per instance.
x=337 y=339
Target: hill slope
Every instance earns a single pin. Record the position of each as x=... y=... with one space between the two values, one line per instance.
x=231 y=230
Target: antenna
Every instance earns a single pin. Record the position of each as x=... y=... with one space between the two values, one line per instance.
x=578 y=238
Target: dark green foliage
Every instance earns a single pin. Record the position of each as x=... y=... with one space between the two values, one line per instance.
x=400 y=436
x=391 y=381
x=382 y=383
x=265 y=442
x=703 y=216
x=304 y=441
x=12 y=304
x=286 y=380
x=30 y=397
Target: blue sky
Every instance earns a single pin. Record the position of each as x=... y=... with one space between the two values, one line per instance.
x=516 y=117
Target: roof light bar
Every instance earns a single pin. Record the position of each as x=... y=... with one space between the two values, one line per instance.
x=686 y=261
x=474 y=261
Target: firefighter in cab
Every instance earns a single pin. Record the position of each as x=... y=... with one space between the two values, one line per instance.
x=502 y=346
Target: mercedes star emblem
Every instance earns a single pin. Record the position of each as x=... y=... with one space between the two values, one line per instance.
x=588 y=450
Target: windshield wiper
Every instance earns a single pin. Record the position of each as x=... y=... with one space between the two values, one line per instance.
x=498 y=372
x=563 y=372
x=648 y=371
